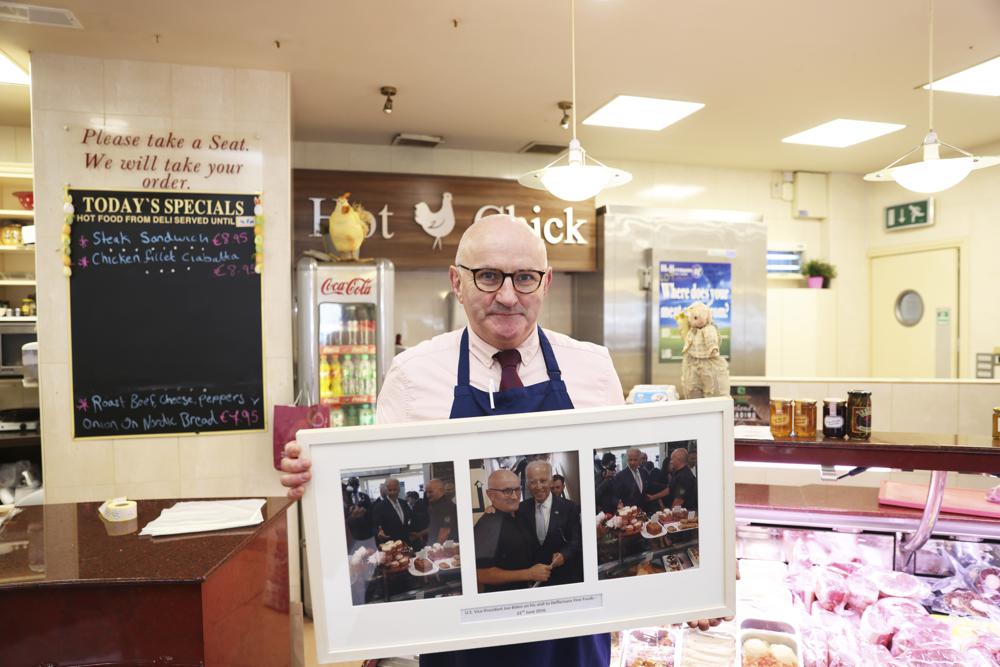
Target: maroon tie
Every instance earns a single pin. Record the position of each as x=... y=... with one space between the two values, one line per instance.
x=509 y=359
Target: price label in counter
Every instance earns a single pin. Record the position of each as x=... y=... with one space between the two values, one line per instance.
x=165 y=309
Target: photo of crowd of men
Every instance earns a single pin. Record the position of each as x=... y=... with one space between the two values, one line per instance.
x=526 y=513
x=647 y=509
x=402 y=532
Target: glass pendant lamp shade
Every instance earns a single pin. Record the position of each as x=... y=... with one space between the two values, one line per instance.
x=932 y=173
x=576 y=180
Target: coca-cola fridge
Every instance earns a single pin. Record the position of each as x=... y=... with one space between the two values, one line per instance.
x=345 y=335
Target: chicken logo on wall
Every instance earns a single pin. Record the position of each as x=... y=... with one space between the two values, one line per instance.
x=438 y=224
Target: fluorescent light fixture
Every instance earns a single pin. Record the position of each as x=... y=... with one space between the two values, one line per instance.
x=11 y=73
x=641 y=113
x=842 y=132
x=673 y=192
x=981 y=79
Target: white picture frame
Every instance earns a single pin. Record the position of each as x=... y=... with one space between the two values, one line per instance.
x=348 y=632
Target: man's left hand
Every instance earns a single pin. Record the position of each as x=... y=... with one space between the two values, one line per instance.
x=558 y=560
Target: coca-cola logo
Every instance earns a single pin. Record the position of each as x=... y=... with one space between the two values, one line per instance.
x=352 y=287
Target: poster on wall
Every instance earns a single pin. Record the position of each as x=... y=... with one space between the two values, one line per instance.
x=165 y=313
x=516 y=537
x=681 y=284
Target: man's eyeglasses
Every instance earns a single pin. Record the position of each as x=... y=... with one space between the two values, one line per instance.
x=524 y=281
x=508 y=493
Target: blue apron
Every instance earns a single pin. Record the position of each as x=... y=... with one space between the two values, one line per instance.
x=587 y=651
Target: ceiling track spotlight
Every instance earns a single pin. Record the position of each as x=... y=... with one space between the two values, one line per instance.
x=389 y=92
x=566 y=107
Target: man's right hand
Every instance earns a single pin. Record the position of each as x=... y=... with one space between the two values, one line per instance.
x=296 y=470
x=540 y=572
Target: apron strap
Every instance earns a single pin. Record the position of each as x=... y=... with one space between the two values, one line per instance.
x=550 y=358
x=463 y=360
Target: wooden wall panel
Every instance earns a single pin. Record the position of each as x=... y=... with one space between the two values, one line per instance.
x=410 y=246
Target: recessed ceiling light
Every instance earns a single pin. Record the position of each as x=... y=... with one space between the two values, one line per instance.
x=981 y=79
x=842 y=132
x=11 y=73
x=641 y=113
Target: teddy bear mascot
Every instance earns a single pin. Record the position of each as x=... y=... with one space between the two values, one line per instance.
x=704 y=372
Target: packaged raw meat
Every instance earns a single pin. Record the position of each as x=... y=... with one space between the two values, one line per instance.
x=984 y=651
x=831 y=587
x=932 y=657
x=923 y=632
x=861 y=591
x=993 y=495
x=899 y=585
x=882 y=619
x=985 y=580
x=814 y=652
x=802 y=584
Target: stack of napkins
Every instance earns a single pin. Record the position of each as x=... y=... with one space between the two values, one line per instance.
x=202 y=515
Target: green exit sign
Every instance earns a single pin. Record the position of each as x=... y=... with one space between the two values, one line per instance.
x=908 y=216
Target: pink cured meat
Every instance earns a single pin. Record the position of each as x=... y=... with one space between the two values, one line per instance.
x=814 y=652
x=861 y=591
x=993 y=495
x=884 y=618
x=831 y=588
x=845 y=568
x=899 y=585
x=923 y=632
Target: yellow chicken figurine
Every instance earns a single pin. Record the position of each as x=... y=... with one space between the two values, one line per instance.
x=349 y=227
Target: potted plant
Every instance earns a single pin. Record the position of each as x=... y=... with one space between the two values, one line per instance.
x=819 y=272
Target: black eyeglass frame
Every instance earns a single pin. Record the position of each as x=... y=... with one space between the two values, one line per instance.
x=505 y=276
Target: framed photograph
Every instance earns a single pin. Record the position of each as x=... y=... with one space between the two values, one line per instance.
x=525 y=542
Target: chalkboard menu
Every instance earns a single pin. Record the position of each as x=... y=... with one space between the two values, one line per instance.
x=165 y=310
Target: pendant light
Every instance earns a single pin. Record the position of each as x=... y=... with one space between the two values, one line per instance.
x=933 y=173
x=576 y=179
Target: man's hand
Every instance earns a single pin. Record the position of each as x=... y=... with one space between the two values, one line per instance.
x=706 y=623
x=540 y=572
x=357 y=512
x=558 y=560
x=296 y=470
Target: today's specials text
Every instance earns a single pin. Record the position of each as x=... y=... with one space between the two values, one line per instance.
x=165 y=314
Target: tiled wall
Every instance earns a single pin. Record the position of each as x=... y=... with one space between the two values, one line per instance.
x=73 y=91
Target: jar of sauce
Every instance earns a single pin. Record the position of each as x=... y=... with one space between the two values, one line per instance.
x=781 y=417
x=859 y=414
x=834 y=418
x=996 y=423
x=804 y=411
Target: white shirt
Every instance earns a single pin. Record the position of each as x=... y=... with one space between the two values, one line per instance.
x=419 y=382
x=544 y=513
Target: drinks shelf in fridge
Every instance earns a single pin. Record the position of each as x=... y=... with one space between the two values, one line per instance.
x=347 y=400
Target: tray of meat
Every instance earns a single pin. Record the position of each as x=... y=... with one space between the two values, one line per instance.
x=650 y=647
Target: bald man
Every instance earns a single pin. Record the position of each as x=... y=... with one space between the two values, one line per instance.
x=502 y=363
x=443 y=524
x=683 y=483
x=505 y=551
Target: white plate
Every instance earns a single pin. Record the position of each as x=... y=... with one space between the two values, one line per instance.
x=417 y=573
x=650 y=536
